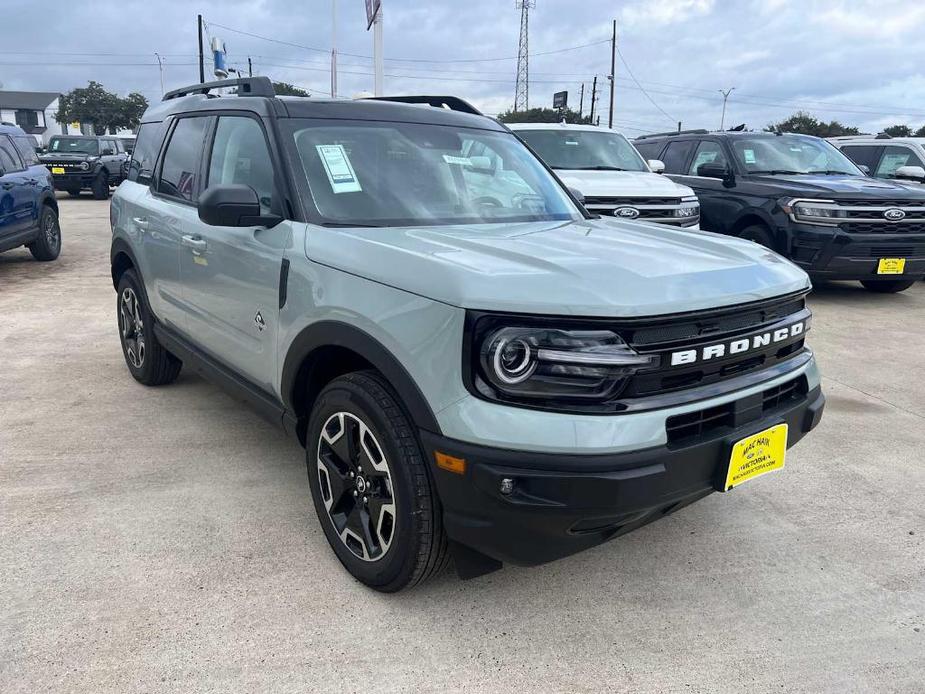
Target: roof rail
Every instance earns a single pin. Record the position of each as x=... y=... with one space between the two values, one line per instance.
x=699 y=131
x=247 y=86
x=454 y=103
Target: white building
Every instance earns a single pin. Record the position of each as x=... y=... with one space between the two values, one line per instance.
x=35 y=112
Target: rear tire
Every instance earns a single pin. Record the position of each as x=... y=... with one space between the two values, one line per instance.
x=887 y=286
x=371 y=487
x=759 y=235
x=147 y=360
x=47 y=245
x=100 y=186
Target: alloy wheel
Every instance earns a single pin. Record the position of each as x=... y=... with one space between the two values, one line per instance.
x=133 y=334
x=52 y=231
x=356 y=486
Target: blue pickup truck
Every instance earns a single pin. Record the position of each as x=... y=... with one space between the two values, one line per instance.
x=28 y=209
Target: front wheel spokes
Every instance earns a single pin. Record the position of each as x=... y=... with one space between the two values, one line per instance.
x=132 y=328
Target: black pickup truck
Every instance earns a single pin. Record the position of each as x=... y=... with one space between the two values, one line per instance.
x=803 y=198
x=86 y=162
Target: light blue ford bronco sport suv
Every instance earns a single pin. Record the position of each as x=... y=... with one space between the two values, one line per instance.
x=484 y=378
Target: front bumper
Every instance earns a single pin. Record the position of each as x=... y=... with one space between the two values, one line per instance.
x=70 y=181
x=831 y=253
x=565 y=503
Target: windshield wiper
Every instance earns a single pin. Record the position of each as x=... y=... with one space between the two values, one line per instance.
x=599 y=167
x=778 y=172
x=833 y=172
x=348 y=225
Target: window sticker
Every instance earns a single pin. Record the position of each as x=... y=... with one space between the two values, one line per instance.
x=750 y=156
x=340 y=171
x=462 y=161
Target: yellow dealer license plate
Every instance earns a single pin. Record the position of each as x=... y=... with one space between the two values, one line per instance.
x=57 y=169
x=755 y=455
x=891 y=266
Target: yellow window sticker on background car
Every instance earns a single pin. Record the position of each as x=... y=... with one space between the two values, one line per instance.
x=340 y=171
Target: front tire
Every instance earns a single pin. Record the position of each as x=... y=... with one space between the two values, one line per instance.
x=147 y=360
x=759 y=235
x=887 y=286
x=371 y=487
x=100 y=186
x=47 y=245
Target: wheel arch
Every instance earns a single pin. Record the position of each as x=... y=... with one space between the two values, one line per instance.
x=327 y=349
x=121 y=258
x=756 y=218
x=49 y=199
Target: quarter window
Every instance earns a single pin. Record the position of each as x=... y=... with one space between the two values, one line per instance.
x=180 y=171
x=240 y=155
x=894 y=157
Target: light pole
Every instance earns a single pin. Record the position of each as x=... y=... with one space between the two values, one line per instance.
x=725 y=93
x=160 y=69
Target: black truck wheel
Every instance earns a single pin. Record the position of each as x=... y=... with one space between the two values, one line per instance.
x=371 y=487
x=100 y=186
x=47 y=245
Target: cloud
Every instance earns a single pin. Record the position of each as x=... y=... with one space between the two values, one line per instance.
x=664 y=11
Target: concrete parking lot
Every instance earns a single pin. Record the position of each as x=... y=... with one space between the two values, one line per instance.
x=164 y=539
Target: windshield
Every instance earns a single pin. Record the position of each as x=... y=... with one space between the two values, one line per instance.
x=363 y=173
x=791 y=154
x=74 y=145
x=584 y=150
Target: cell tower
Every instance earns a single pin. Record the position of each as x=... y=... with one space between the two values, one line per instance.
x=522 y=86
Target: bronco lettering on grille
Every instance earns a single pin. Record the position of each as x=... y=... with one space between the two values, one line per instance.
x=739 y=346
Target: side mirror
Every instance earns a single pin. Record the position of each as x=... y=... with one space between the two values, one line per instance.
x=864 y=168
x=916 y=173
x=577 y=194
x=657 y=165
x=233 y=205
x=712 y=170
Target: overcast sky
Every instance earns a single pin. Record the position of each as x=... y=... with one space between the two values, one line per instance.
x=858 y=61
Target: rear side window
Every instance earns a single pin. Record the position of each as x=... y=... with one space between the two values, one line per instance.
x=863 y=155
x=893 y=158
x=240 y=155
x=180 y=170
x=144 y=156
x=9 y=159
x=26 y=146
x=676 y=155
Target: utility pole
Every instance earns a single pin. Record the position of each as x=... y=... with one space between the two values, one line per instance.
x=593 y=97
x=250 y=67
x=613 y=68
x=522 y=85
x=202 y=66
x=378 y=59
x=160 y=69
x=725 y=93
x=581 y=101
x=333 y=49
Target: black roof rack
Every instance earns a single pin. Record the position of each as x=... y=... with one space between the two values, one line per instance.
x=699 y=131
x=454 y=103
x=247 y=86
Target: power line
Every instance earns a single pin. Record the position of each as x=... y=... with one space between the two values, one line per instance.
x=651 y=100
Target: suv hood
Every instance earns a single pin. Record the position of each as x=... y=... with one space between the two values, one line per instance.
x=586 y=268
x=837 y=186
x=643 y=184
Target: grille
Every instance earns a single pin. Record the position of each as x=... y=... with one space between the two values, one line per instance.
x=868 y=202
x=632 y=202
x=867 y=214
x=884 y=228
x=684 y=428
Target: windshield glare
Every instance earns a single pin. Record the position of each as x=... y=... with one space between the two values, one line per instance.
x=791 y=154
x=74 y=145
x=584 y=149
x=402 y=174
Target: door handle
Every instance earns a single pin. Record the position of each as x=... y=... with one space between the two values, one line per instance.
x=197 y=245
x=141 y=222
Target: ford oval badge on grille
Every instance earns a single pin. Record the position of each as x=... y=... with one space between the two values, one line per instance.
x=630 y=212
x=894 y=215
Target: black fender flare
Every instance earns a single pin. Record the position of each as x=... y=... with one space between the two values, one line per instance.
x=121 y=247
x=328 y=333
x=48 y=198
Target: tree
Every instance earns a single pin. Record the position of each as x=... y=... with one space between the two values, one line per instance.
x=543 y=115
x=898 y=131
x=105 y=110
x=806 y=124
x=286 y=89
x=920 y=132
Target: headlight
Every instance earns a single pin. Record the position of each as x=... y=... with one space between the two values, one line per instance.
x=688 y=210
x=825 y=212
x=84 y=165
x=540 y=366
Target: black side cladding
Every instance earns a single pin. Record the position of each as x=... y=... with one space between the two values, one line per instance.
x=283 y=282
